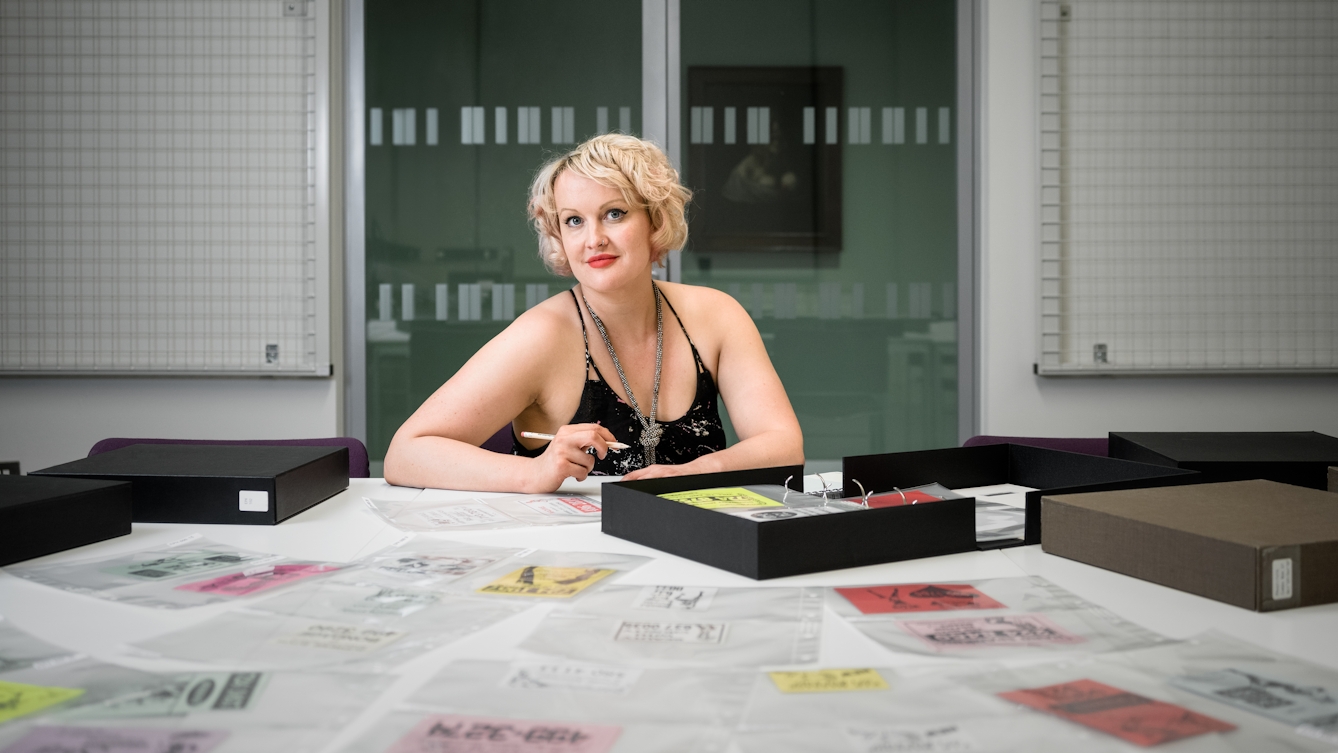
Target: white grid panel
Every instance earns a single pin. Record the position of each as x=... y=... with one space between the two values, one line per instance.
x=158 y=187
x=1189 y=186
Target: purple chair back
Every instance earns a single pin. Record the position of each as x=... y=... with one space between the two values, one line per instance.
x=357 y=452
x=501 y=441
x=1099 y=446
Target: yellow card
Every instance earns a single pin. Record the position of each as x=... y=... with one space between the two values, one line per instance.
x=548 y=582
x=17 y=699
x=829 y=681
x=715 y=499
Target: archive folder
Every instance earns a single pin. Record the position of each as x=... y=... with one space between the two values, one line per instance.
x=246 y=484
x=1261 y=545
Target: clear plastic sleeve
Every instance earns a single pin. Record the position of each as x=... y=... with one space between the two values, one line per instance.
x=548 y=509
x=1122 y=707
x=358 y=626
x=588 y=707
x=237 y=712
x=537 y=576
x=1280 y=689
x=21 y=650
x=987 y=619
x=189 y=572
x=434 y=510
x=407 y=731
x=648 y=625
x=543 y=688
x=863 y=696
x=420 y=562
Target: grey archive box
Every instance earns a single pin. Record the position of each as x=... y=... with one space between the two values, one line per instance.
x=1257 y=544
x=232 y=484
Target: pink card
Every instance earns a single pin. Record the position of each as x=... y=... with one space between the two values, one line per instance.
x=917 y=597
x=897 y=499
x=454 y=733
x=242 y=584
x=117 y=740
x=985 y=632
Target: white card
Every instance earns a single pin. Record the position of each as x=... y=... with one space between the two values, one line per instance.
x=587 y=677
x=461 y=515
x=1287 y=702
x=940 y=738
x=353 y=638
x=563 y=506
x=674 y=597
x=671 y=632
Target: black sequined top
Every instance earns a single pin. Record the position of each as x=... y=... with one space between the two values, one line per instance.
x=698 y=432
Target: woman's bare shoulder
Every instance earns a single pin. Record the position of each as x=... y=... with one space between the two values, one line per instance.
x=547 y=329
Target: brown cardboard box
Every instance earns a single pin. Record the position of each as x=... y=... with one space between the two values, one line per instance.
x=1261 y=545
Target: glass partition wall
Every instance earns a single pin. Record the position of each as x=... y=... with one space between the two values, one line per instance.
x=819 y=138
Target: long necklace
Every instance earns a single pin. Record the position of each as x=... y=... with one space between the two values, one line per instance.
x=650 y=431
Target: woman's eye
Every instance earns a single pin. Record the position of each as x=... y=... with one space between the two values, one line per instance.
x=616 y=214
x=572 y=221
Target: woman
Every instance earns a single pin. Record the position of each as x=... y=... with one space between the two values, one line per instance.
x=605 y=213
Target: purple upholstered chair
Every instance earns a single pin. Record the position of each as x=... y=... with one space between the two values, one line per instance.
x=1099 y=446
x=501 y=441
x=357 y=452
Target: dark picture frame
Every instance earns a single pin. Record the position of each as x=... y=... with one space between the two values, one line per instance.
x=776 y=193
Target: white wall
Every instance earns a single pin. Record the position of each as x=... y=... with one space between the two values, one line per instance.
x=1013 y=400
x=46 y=421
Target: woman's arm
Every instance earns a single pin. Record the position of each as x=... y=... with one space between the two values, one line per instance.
x=438 y=446
x=768 y=430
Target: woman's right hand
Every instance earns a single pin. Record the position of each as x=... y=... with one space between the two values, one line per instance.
x=566 y=455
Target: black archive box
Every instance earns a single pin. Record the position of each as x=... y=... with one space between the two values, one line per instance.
x=1299 y=458
x=40 y=515
x=247 y=484
x=776 y=548
x=1047 y=471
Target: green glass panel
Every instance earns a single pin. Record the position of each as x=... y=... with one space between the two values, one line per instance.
x=844 y=252
x=452 y=213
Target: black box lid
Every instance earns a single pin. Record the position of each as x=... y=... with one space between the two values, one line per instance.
x=217 y=461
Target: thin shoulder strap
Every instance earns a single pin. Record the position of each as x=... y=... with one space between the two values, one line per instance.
x=584 y=335
x=695 y=355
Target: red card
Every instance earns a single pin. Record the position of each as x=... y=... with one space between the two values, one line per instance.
x=1130 y=717
x=917 y=597
x=896 y=499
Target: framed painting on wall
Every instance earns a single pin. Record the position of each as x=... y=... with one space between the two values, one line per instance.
x=764 y=158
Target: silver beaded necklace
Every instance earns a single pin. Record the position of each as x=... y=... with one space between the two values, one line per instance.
x=650 y=431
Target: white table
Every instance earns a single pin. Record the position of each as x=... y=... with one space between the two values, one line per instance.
x=342 y=528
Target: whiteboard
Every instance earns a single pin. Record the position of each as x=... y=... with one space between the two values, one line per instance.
x=1189 y=179
x=162 y=201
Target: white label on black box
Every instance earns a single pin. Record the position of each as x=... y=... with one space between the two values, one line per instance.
x=248 y=501
x=1282 y=579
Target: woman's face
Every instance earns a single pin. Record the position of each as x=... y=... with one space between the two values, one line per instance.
x=607 y=241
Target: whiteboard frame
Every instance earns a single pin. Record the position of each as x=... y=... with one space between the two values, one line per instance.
x=321 y=295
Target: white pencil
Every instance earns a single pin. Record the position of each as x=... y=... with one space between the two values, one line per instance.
x=615 y=446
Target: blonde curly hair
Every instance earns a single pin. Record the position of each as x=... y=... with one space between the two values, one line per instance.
x=637 y=168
